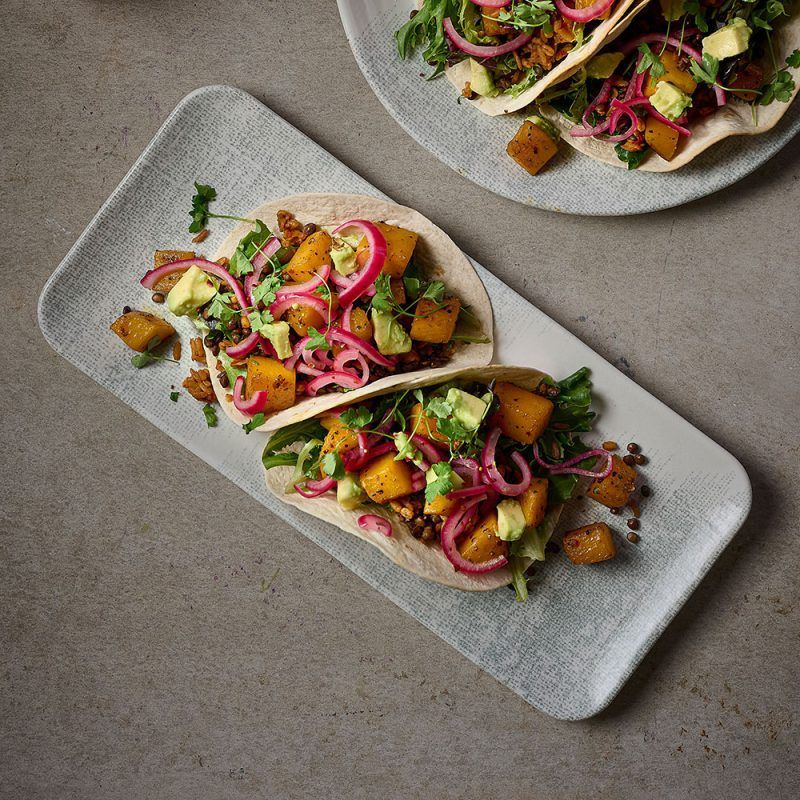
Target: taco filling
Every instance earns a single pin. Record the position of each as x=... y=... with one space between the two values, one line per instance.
x=477 y=470
x=679 y=63
x=510 y=46
x=310 y=309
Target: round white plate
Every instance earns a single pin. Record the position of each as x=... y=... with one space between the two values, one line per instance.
x=474 y=144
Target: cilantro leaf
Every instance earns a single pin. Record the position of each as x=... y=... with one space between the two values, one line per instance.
x=439 y=407
x=266 y=289
x=174 y=396
x=317 y=340
x=793 y=59
x=780 y=88
x=434 y=291
x=693 y=8
x=257 y=421
x=250 y=244
x=219 y=308
x=204 y=195
x=439 y=480
x=650 y=61
x=707 y=71
x=356 y=417
x=210 y=413
x=332 y=466
x=383 y=299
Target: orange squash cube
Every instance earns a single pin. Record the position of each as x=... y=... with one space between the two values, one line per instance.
x=673 y=73
x=425 y=425
x=385 y=479
x=162 y=257
x=534 y=502
x=532 y=147
x=400 y=244
x=340 y=439
x=269 y=374
x=615 y=490
x=589 y=544
x=522 y=415
x=435 y=322
x=141 y=330
x=303 y=317
x=662 y=138
x=483 y=543
x=360 y=324
x=313 y=253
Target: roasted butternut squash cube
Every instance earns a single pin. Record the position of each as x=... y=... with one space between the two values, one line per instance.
x=589 y=544
x=579 y=4
x=522 y=415
x=360 y=324
x=398 y=290
x=269 y=375
x=482 y=543
x=400 y=244
x=425 y=425
x=532 y=147
x=162 y=257
x=329 y=421
x=303 y=317
x=662 y=138
x=534 y=502
x=435 y=322
x=441 y=505
x=340 y=439
x=673 y=73
x=615 y=490
x=385 y=479
x=141 y=330
x=313 y=253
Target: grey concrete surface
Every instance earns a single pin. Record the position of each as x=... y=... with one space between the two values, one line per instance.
x=156 y=646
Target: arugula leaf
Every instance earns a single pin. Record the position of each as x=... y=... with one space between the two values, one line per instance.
x=317 y=340
x=630 y=157
x=241 y=260
x=210 y=413
x=332 y=466
x=707 y=71
x=204 y=195
x=356 y=417
x=650 y=61
x=518 y=578
x=427 y=26
x=256 y=422
x=285 y=437
x=174 y=396
x=442 y=482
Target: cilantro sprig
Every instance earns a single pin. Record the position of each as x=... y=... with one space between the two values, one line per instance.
x=200 y=214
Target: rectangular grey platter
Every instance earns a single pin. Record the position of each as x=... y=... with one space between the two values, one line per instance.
x=572 y=645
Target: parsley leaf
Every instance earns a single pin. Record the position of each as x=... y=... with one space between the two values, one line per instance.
x=707 y=71
x=174 y=396
x=317 y=340
x=356 y=417
x=650 y=61
x=439 y=480
x=257 y=421
x=199 y=213
x=210 y=413
x=780 y=88
x=332 y=466
x=250 y=244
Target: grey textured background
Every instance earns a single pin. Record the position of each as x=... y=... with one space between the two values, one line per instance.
x=154 y=646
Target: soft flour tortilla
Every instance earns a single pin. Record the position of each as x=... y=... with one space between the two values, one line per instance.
x=601 y=35
x=436 y=253
x=734 y=119
x=427 y=561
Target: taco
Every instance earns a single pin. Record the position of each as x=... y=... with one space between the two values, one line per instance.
x=459 y=479
x=685 y=75
x=502 y=55
x=319 y=294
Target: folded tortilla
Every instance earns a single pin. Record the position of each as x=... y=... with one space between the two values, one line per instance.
x=606 y=31
x=426 y=560
x=438 y=256
x=734 y=119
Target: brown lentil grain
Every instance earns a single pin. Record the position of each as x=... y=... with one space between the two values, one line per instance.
x=640 y=459
x=633 y=524
x=126 y=310
x=629 y=460
x=633 y=447
x=645 y=490
x=158 y=298
x=633 y=537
